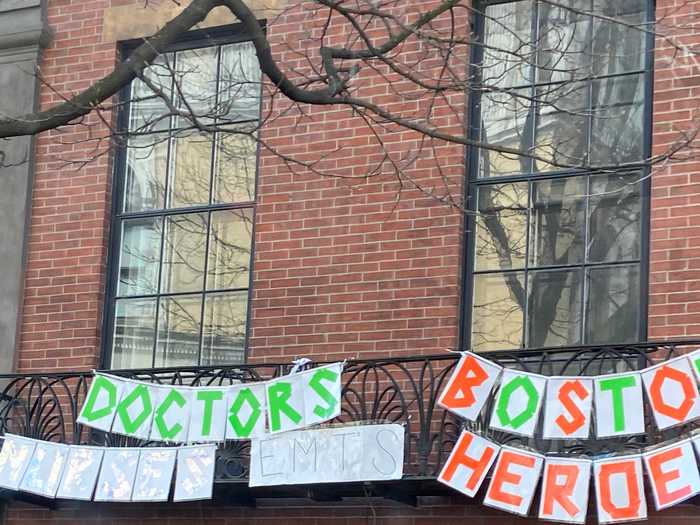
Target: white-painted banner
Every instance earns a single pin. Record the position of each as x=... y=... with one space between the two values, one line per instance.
x=565 y=487
x=468 y=464
x=518 y=402
x=567 y=409
x=619 y=489
x=342 y=454
x=470 y=386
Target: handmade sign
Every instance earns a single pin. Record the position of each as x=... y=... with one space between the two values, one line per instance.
x=117 y=475
x=565 y=483
x=567 y=409
x=619 y=489
x=212 y=414
x=45 y=469
x=518 y=402
x=15 y=457
x=673 y=473
x=514 y=481
x=614 y=401
x=81 y=472
x=468 y=464
x=672 y=392
x=154 y=474
x=469 y=386
x=328 y=455
x=80 y=475
x=195 y=473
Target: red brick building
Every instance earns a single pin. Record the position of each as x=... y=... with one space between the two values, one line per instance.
x=331 y=268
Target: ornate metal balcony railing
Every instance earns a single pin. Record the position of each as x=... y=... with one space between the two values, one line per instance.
x=400 y=390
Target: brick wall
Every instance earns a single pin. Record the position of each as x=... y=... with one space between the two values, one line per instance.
x=342 y=267
x=674 y=280
x=70 y=204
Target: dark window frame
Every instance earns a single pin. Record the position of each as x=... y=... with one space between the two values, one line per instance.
x=472 y=183
x=194 y=39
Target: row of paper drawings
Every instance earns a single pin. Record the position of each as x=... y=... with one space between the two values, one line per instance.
x=619 y=481
x=79 y=472
x=184 y=414
x=571 y=406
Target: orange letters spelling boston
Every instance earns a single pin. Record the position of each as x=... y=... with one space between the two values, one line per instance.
x=570 y=405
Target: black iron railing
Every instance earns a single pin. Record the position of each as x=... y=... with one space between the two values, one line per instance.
x=400 y=390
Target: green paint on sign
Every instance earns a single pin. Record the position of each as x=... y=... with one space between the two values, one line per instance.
x=507 y=391
x=132 y=425
x=169 y=432
x=99 y=384
x=208 y=396
x=324 y=374
x=615 y=386
x=278 y=394
x=245 y=395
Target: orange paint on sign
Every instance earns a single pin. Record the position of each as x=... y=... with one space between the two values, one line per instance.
x=502 y=476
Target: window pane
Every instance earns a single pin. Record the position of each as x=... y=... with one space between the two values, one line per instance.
x=239 y=83
x=562 y=46
x=501 y=226
x=139 y=257
x=149 y=112
x=134 y=332
x=223 y=338
x=234 y=179
x=554 y=308
x=617 y=120
x=178 y=331
x=562 y=126
x=196 y=80
x=184 y=253
x=191 y=170
x=497 y=314
x=508 y=49
x=558 y=223
x=506 y=122
x=146 y=168
x=229 y=249
x=617 y=47
x=612 y=310
x=615 y=218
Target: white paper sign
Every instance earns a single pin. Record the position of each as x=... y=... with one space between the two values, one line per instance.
x=80 y=474
x=567 y=409
x=208 y=415
x=101 y=402
x=469 y=386
x=246 y=415
x=171 y=417
x=134 y=413
x=117 y=474
x=673 y=473
x=514 y=481
x=619 y=489
x=154 y=474
x=564 y=493
x=45 y=469
x=518 y=402
x=322 y=393
x=672 y=393
x=285 y=403
x=469 y=463
x=195 y=473
x=14 y=459
x=327 y=455
x=619 y=408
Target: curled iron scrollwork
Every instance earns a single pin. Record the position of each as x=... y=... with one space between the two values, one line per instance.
x=401 y=390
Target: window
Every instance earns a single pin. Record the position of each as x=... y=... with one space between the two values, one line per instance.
x=183 y=223
x=557 y=241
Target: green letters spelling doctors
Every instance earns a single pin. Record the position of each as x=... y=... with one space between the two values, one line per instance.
x=210 y=414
